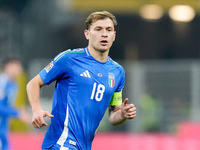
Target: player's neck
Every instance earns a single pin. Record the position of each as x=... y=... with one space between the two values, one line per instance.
x=101 y=56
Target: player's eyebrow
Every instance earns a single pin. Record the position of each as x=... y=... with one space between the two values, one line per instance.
x=98 y=27
x=108 y=27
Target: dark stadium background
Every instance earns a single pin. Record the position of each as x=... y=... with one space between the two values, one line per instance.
x=160 y=56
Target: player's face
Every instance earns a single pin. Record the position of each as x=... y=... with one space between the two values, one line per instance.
x=13 y=70
x=101 y=35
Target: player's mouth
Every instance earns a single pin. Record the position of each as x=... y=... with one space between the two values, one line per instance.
x=104 y=42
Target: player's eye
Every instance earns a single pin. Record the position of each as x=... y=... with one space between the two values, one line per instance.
x=109 y=29
x=97 y=29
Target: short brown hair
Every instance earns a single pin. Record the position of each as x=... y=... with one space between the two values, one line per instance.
x=99 y=16
x=11 y=59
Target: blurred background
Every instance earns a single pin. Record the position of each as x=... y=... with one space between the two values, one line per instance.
x=157 y=43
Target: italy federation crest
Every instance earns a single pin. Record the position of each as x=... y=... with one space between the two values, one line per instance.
x=111 y=79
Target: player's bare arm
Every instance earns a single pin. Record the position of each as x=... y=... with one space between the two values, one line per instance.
x=33 y=91
x=120 y=113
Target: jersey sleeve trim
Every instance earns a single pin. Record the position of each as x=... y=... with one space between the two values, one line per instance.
x=80 y=50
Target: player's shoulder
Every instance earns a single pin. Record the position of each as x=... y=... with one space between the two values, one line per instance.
x=116 y=64
x=70 y=53
x=3 y=78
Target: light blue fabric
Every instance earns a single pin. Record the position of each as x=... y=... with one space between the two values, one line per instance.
x=8 y=91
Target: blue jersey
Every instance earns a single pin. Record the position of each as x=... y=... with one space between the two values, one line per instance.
x=84 y=88
x=8 y=91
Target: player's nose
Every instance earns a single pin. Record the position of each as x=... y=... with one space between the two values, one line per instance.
x=104 y=33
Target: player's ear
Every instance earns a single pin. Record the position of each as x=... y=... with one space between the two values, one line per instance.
x=86 y=32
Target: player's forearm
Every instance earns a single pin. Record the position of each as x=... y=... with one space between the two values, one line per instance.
x=33 y=91
x=116 y=118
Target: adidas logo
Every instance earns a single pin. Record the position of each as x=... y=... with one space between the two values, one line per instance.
x=85 y=74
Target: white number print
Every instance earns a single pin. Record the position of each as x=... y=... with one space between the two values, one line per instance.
x=97 y=92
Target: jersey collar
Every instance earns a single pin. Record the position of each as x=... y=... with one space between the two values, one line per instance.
x=88 y=54
x=87 y=51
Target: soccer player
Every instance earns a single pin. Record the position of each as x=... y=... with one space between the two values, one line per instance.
x=12 y=68
x=88 y=81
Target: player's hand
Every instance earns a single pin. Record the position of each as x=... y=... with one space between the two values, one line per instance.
x=128 y=111
x=38 y=118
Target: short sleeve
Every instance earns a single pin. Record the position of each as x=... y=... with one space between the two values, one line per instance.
x=56 y=69
x=122 y=81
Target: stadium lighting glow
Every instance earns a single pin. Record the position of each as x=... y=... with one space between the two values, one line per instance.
x=151 y=12
x=182 y=13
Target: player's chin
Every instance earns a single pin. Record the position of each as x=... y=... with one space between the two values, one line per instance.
x=104 y=48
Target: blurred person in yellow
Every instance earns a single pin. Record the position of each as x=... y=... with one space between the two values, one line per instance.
x=11 y=69
x=17 y=125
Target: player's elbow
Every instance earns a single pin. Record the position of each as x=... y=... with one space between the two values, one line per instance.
x=116 y=118
x=113 y=121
